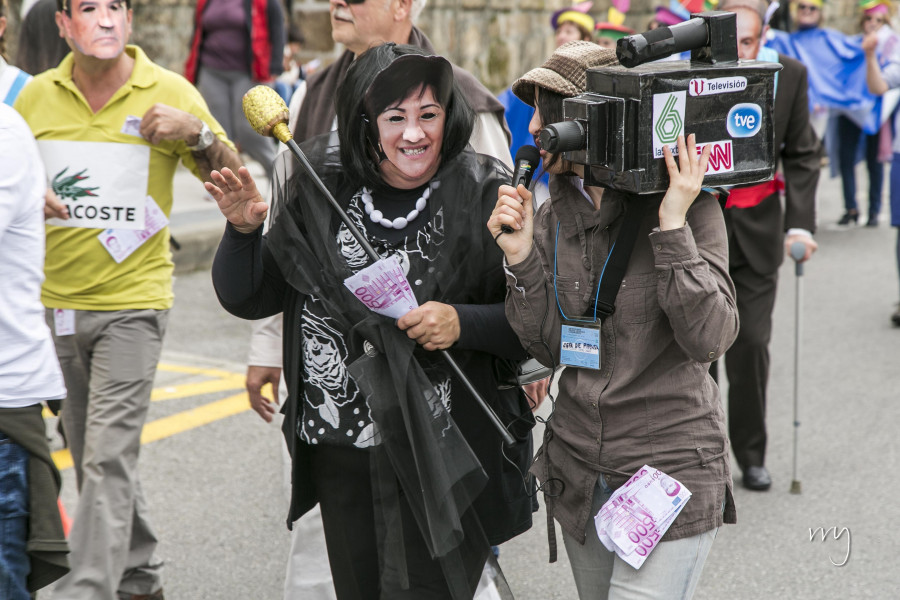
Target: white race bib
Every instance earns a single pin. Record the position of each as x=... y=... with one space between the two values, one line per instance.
x=103 y=184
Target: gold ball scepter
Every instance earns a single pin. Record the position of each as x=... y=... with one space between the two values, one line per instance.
x=267 y=113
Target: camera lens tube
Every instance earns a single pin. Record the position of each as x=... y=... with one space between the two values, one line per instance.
x=563 y=137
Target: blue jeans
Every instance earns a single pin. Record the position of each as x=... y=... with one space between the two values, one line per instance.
x=849 y=135
x=14 y=562
x=671 y=572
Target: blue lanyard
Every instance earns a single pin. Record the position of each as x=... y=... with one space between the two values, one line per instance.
x=556 y=289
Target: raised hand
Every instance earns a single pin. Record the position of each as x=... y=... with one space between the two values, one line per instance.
x=238 y=198
x=514 y=209
x=685 y=181
x=870 y=42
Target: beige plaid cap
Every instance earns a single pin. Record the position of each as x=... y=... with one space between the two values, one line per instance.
x=565 y=72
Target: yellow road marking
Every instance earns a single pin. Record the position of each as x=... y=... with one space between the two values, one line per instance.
x=186 y=390
x=195 y=370
x=177 y=423
x=196 y=417
x=62 y=459
x=223 y=381
x=189 y=419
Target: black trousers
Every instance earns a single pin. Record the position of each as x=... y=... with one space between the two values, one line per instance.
x=747 y=362
x=344 y=487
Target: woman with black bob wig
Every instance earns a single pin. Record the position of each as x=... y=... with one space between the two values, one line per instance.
x=413 y=482
x=358 y=131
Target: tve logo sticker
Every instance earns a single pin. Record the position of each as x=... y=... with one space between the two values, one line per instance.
x=720 y=157
x=744 y=120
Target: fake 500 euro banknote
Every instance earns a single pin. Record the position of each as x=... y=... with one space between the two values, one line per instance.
x=637 y=515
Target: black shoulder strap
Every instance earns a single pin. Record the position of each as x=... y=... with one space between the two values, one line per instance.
x=621 y=254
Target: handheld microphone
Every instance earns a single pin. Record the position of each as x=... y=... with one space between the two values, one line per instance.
x=527 y=159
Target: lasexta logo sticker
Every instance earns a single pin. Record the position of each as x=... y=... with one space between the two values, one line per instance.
x=668 y=121
x=670 y=124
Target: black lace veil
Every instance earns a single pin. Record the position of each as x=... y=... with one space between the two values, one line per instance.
x=423 y=454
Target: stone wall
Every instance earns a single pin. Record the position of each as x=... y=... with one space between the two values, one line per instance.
x=497 y=40
x=12 y=27
x=163 y=28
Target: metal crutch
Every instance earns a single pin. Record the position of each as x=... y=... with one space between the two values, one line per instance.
x=798 y=251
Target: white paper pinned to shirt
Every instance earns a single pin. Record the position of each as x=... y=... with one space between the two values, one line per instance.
x=383 y=287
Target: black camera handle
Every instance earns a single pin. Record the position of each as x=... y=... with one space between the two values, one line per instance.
x=710 y=36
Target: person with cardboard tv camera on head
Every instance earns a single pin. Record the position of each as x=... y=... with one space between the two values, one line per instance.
x=636 y=390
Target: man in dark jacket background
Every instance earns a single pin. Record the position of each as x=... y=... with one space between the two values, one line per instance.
x=756 y=234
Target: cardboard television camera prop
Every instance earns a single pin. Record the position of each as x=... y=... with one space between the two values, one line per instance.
x=620 y=125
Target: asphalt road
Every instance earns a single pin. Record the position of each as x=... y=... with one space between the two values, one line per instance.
x=216 y=489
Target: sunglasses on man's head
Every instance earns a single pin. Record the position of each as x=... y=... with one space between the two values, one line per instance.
x=807 y=8
x=354 y=1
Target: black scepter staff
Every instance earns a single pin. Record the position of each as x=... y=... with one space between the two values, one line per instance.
x=268 y=115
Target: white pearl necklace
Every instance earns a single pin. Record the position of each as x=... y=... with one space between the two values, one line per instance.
x=400 y=222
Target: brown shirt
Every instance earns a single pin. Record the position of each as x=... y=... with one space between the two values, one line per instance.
x=652 y=401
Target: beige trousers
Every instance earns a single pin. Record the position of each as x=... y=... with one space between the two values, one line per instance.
x=109 y=364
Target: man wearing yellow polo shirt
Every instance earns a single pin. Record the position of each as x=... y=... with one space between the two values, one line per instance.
x=111 y=127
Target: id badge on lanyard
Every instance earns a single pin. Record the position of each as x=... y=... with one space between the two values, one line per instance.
x=579 y=338
x=580 y=344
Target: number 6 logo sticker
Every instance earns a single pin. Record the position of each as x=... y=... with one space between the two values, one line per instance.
x=668 y=121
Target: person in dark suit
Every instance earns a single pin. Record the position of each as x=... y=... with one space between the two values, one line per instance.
x=756 y=226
